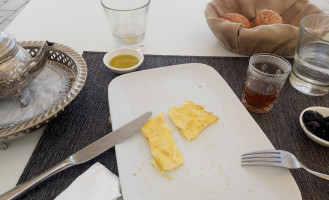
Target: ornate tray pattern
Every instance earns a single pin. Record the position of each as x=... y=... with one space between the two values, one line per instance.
x=75 y=67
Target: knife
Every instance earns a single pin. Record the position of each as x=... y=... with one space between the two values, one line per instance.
x=84 y=155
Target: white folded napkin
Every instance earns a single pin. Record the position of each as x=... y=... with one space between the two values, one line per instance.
x=97 y=183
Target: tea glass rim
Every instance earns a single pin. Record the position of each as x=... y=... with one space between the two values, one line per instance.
x=132 y=9
x=306 y=31
x=267 y=74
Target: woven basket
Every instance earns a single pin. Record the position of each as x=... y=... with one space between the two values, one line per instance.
x=280 y=39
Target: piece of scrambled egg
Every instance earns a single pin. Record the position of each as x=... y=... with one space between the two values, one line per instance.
x=190 y=119
x=163 y=148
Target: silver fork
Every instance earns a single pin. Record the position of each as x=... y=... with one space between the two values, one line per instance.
x=276 y=158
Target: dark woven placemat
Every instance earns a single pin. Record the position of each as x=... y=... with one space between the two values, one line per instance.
x=86 y=119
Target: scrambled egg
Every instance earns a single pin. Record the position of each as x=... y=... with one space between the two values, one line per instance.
x=164 y=151
x=190 y=119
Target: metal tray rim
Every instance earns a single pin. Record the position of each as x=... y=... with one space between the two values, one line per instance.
x=39 y=121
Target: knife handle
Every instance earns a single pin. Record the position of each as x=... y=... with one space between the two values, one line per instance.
x=21 y=189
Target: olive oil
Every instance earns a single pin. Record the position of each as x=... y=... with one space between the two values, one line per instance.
x=124 y=61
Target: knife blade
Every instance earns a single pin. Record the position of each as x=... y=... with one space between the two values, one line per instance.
x=109 y=140
x=89 y=152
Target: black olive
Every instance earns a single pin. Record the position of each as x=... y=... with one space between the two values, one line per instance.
x=309 y=115
x=326 y=119
x=323 y=134
x=319 y=118
x=326 y=137
x=312 y=126
x=325 y=126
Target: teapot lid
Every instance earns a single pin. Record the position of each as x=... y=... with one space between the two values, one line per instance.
x=7 y=43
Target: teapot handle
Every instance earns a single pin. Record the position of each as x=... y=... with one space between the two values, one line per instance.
x=39 y=61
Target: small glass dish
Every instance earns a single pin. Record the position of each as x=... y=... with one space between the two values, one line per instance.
x=123 y=51
x=323 y=111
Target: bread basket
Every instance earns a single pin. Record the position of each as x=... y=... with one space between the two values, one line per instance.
x=280 y=39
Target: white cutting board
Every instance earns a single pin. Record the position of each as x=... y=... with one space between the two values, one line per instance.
x=211 y=168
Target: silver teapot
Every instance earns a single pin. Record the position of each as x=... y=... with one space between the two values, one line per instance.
x=17 y=67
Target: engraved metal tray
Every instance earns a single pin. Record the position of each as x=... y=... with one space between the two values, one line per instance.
x=72 y=70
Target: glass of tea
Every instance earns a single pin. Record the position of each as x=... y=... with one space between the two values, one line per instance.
x=266 y=75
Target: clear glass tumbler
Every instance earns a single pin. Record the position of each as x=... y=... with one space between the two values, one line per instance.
x=310 y=73
x=266 y=75
x=127 y=19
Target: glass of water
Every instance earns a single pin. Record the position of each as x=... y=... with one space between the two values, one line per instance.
x=127 y=19
x=310 y=73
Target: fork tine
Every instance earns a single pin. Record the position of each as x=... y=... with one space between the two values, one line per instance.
x=260 y=163
x=269 y=161
x=277 y=152
x=264 y=156
x=261 y=159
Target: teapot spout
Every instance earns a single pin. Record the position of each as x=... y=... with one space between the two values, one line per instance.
x=39 y=61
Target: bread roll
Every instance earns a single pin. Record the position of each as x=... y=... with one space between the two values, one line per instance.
x=235 y=17
x=265 y=17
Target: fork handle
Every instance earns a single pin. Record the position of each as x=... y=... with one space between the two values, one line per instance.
x=21 y=189
x=318 y=174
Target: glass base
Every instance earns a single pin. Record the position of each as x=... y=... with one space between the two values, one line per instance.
x=138 y=46
x=307 y=88
x=256 y=109
x=135 y=42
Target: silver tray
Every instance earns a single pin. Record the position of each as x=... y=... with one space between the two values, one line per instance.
x=73 y=71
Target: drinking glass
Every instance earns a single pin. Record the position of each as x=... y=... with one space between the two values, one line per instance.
x=310 y=73
x=266 y=75
x=127 y=19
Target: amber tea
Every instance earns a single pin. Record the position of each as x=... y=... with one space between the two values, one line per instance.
x=259 y=100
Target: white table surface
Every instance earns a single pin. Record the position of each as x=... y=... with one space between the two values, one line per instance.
x=174 y=27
